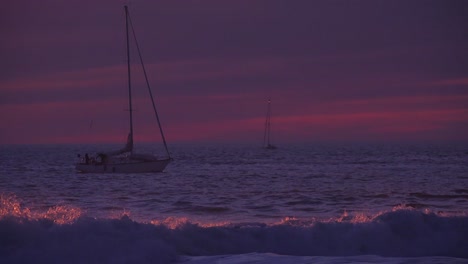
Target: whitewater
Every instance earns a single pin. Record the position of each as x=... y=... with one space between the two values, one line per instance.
x=238 y=203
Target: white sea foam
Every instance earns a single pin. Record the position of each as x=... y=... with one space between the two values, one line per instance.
x=269 y=258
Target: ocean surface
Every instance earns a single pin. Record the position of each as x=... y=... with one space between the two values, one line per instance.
x=302 y=203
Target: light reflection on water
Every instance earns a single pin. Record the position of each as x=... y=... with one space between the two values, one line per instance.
x=233 y=183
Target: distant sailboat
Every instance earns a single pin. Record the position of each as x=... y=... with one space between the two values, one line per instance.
x=266 y=134
x=125 y=160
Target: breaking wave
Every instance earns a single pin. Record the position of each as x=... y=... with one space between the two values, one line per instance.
x=64 y=234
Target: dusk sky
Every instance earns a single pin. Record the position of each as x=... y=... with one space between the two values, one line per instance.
x=336 y=71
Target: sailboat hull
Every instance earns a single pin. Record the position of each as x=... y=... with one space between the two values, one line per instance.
x=124 y=167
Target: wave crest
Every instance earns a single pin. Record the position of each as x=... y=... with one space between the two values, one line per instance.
x=400 y=232
x=60 y=214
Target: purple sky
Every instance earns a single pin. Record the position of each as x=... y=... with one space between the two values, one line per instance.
x=367 y=70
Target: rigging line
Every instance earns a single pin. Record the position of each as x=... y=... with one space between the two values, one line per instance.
x=127 y=18
x=149 y=88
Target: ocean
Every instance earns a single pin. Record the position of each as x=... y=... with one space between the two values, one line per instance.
x=239 y=203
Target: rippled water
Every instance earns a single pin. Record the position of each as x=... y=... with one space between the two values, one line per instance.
x=247 y=183
x=234 y=186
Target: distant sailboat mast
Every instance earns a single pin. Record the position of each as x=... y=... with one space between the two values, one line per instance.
x=266 y=134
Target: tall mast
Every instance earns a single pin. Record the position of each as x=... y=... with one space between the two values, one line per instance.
x=147 y=82
x=129 y=78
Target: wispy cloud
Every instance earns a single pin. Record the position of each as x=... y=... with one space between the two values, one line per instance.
x=333 y=70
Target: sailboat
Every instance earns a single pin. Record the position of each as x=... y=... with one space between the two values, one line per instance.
x=125 y=160
x=266 y=134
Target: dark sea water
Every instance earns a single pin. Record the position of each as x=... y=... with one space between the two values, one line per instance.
x=305 y=203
